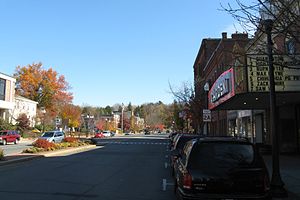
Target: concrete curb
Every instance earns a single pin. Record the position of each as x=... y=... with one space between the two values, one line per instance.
x=22 y=157
x=69 y=151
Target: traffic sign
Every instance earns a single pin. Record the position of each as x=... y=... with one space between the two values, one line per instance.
x=206 y=115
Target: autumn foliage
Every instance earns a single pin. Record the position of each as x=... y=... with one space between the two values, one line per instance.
x=43 y=85
x=41 y=143
x=72 y=113
x=70 y=139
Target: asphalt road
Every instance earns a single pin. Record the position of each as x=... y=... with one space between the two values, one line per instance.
x=12 y=148
x=123 y=169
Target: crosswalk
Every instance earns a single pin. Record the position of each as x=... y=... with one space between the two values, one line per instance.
x=132 y=143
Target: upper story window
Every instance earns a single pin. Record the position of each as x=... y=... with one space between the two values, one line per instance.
x=2 y=89
x=291 y=46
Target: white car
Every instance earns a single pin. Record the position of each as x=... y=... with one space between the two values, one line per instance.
x=53 y=136
x=107 y=133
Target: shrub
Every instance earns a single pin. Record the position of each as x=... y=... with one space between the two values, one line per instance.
x=23 y=122
x=70 y=139
x=40 y=143
x=4 y=125
x=1 y=154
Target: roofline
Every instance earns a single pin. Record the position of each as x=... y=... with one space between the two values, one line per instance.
x=26 y=99
x=9 y=76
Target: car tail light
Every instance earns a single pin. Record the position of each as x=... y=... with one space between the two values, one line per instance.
x=187 y=181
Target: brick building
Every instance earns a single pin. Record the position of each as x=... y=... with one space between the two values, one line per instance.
x=214 y=57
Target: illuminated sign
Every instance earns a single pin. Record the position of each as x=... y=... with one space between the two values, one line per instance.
x=222 y=89
x=286 y=74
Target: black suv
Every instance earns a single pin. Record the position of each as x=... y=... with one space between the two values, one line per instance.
x=221 y=168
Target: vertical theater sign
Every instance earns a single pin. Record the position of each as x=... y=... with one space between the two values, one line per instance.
x=222 y=89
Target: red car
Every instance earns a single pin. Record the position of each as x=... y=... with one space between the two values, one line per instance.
x=9 y=136
x=99 y=135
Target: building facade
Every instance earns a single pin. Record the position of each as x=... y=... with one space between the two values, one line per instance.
x=216 y=56
x=238 y=96
x=26 y=106
x=7 y=96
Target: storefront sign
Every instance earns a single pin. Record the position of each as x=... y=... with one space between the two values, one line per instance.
x=286 y=74
x=244 y=113
x=222 y=89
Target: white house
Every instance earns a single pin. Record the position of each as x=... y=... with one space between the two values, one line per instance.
x=26 y=106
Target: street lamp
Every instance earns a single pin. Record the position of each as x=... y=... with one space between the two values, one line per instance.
x=206 y=89
x=106 y=125
x=122 y=118
x=277 y=185
x=43 y=110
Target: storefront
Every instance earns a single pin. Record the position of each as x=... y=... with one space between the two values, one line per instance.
x=244 y=93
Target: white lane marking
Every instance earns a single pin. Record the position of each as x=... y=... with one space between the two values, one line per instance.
x=166 y=165
x=167 y=156
x=165 y=184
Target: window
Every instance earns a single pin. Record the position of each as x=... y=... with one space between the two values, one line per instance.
x=186 y=151
x=2 y=89
x=212 y=156
x=290 y=46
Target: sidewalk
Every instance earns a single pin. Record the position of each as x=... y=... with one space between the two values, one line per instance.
x=290 y=174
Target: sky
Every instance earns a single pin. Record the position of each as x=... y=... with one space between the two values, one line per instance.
x=111 y=51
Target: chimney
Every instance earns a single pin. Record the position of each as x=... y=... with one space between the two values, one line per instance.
x=239 y=36
x=224 y=35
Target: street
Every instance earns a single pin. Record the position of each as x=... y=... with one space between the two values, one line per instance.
x=12 y=148
x=124 y=168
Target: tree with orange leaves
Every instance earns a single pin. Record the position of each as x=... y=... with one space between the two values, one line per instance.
x=72 y=114
x=44 y=86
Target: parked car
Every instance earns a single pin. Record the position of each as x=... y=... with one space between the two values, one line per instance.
x=146 y=132
x=53 y=136
x=107 y=133
x=177 y=148
x=99 y=135
x=7 y=136
x=221 y=168
x=173 y=140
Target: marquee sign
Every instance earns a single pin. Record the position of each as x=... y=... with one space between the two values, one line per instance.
x=222 y=89
x=286 y=74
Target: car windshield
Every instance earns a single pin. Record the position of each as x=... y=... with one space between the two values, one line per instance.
x=221 y=155
x=3 y=133
x=48 y=134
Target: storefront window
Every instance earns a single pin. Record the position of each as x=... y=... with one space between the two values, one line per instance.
x=232 y=128
x=2 y=89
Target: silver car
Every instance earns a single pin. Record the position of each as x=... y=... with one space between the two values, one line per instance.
x=107 y=133
x=53 y=136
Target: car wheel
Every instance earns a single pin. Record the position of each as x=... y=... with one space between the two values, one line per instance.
x=53 y=141
x=16 y=141
x=4 y=142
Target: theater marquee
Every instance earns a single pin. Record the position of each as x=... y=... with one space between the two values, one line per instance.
x=222 y=89
x=286 y=74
